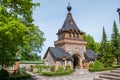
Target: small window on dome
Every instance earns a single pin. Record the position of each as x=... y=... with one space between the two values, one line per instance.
x=71 y=22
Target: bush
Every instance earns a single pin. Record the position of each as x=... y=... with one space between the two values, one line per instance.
x=116 y=66
x=57 y=73
x=60 y=69
x=22 y=70
x=4 y=74
x=52 y=68
x=91 y=66
x=20 y=76
x=97 y=66
x=68 y=67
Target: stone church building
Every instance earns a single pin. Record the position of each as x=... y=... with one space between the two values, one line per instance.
x=70 y=48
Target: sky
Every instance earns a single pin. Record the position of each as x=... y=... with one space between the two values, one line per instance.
x=89 y=15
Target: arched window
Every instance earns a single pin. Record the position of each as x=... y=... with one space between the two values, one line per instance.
x=70 y=35
x=77 y=35
x=63 y=35
x=73 y=35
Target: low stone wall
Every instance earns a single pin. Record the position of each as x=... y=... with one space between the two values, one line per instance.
x=29 y=64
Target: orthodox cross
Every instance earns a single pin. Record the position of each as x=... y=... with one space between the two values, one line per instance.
x=118 y=10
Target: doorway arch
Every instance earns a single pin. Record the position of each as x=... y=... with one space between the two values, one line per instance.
x=76 y=61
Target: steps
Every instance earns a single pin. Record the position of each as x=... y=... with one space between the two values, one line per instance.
x=112 y=75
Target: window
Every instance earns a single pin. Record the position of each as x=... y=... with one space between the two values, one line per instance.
x=70 y=35
x=62 y=35
x=77 y=35
x=73 y=35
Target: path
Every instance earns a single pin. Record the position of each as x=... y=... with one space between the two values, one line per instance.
x=77 y=75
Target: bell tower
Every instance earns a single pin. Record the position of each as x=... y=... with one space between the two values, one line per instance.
x=70 y=38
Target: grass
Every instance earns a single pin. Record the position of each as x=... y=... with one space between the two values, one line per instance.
x=105 y=68
x=57 y=73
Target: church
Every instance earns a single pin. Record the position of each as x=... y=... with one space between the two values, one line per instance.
x=70 y=47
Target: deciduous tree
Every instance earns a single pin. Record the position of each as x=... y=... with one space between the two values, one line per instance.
x=13 y=36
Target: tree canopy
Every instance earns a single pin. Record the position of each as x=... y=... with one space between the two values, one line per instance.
x=13 y=35
x=91 y=44
x=115 y=41
x=17 y=30
x=105 y=55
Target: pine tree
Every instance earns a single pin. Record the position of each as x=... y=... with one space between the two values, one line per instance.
x=103 y=42
x=105 y=51
x=115 y=41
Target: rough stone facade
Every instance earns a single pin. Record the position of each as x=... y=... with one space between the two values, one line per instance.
x=49 y=60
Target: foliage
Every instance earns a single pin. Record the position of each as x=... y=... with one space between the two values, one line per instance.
x=4 y=75
x=106 y=56
x=68 y=67
x=30 y=57
x=20 y=76
x=60 y=69
x=116 y=66
x=91 y=44
x=10 y=42
x=58 y=73
x=91 y=66
x=40 y=68
x=23 y=70
x=52 y=68
x=115 y=41
x=97 y=66
x=20 y=8
x=16 y=19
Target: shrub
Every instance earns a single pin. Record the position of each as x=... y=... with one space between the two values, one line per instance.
x=68 y=67
x=52 y=68
x=97 y=66
x=20 y=76
x=60 y=69
x=4 y=74
x=23 y=70
x=116 y=66
x=91 y=65
x=57 y=73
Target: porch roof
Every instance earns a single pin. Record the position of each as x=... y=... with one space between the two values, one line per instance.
x=90 y=55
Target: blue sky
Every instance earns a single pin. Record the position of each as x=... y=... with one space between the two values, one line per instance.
x=89 y=15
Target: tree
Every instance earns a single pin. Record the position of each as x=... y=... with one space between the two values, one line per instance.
x=104 y=42
x=13 y=36
x=23 y=9
x=115 y=41
x=105 y=55
x=91 y=44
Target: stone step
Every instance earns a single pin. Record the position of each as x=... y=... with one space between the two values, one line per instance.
x=109 y=77
x=118 y=69
x=115 y=71
x=100 y=79
x=111 y=74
